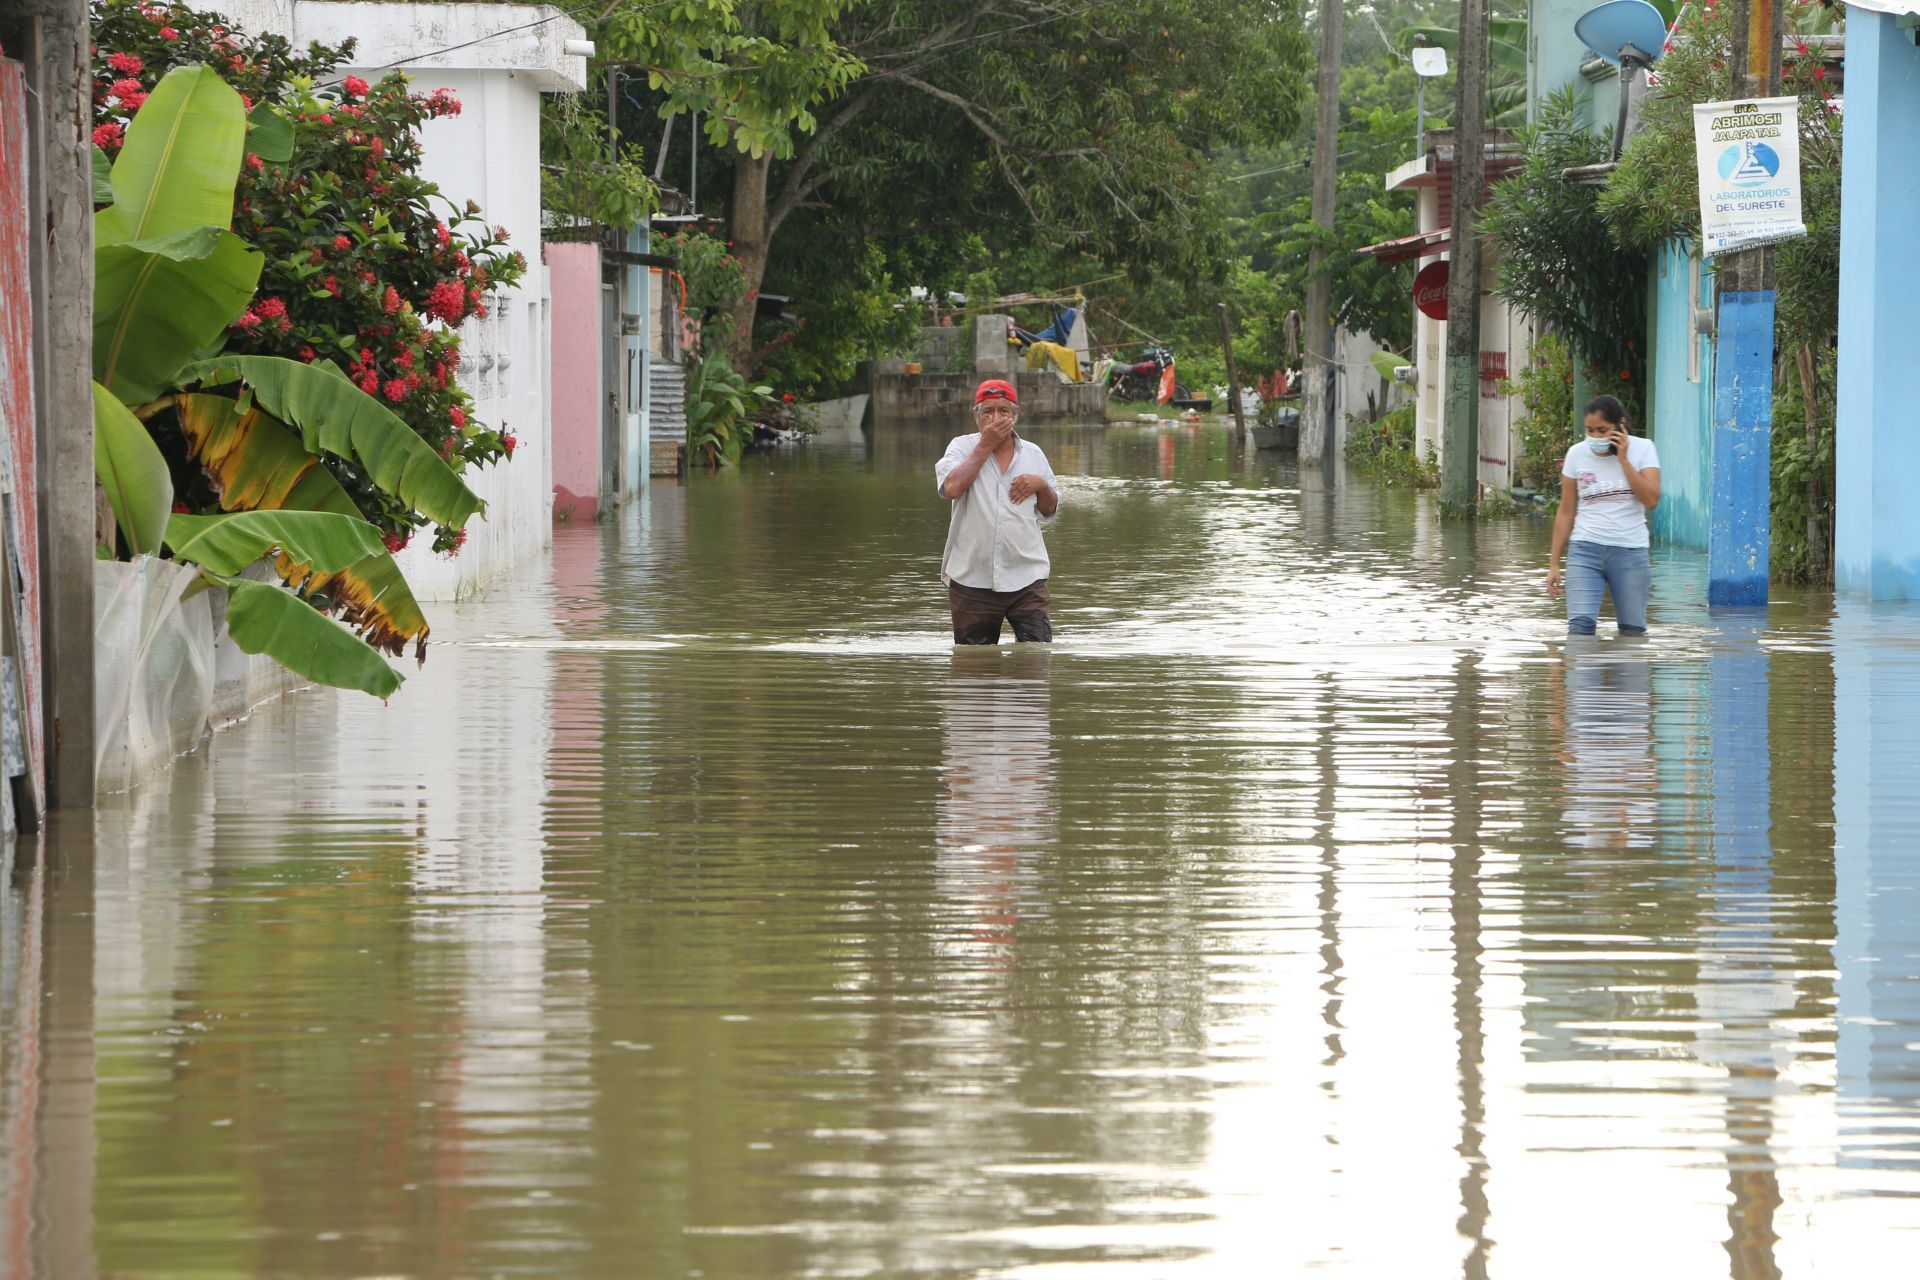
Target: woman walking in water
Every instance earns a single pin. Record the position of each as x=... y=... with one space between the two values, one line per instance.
x=1608 y=483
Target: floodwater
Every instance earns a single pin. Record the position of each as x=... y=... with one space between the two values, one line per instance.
x=698 y=911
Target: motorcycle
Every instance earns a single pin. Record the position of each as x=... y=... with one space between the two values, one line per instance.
x=1151 y=378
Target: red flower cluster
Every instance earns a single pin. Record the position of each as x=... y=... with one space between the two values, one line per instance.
x=354 y=87
x=447 y=301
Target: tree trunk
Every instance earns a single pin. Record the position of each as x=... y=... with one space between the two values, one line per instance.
x=751 y=235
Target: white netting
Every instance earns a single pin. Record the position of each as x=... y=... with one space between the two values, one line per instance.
x=154 y=671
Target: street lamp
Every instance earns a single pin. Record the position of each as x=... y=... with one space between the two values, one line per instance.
x=1429 y=61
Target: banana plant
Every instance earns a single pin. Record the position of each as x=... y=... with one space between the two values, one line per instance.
x=171 y=277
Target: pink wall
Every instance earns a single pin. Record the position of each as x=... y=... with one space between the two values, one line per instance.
x=578 y=398
x=16 y=393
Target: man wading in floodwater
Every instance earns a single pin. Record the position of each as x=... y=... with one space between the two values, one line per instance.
x=1608 y=483
x=1001 y=487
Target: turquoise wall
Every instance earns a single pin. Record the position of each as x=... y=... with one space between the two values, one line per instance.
x=1681 y=421
x=1554 y=54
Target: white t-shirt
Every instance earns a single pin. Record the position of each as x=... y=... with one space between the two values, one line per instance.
x=993 y=542
x=1608 y=513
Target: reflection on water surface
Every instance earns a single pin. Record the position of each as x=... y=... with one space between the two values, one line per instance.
x=699 y=911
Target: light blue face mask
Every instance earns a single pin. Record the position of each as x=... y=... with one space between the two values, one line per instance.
x=1602 y=446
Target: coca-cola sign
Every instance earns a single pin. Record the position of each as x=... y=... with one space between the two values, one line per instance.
x=1430 y=290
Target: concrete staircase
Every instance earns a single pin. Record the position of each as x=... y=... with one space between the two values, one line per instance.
x=667 y=394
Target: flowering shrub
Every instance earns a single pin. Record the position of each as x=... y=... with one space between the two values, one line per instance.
x=715 y=280
x=367 y=264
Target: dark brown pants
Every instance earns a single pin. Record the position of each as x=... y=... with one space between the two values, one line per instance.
x=978 y=613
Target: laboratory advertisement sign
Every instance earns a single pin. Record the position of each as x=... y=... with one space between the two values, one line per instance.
x=1749 y=158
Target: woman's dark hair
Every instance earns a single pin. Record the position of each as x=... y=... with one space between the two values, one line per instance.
x=1608 y=408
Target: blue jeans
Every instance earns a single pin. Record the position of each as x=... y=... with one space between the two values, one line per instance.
x=1622 y=572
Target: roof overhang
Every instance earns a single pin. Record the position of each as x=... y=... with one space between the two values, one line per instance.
x=1407 y=248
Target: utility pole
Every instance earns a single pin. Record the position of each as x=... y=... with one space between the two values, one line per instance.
x=1317 y=399
x=61 y=199
x=1739 y=539
x=1460 y=450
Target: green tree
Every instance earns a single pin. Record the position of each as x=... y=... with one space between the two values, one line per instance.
x=1058 y=129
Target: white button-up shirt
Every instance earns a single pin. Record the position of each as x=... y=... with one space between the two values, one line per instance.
x=992 y=542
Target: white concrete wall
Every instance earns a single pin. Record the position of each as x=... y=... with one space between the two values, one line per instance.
x=1356 y=378
x=498 y=64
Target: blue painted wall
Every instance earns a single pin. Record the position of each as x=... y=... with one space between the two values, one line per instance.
x=1877 y=542
x=1682 y=419
x=638 y=302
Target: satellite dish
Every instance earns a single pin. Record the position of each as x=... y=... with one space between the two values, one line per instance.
x=1623 y=31
x=1630 y=34
x=1429 y=61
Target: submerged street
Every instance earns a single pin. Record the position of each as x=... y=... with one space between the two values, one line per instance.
x=699 y=910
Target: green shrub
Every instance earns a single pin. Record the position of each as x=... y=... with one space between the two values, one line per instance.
x=1545 y=391
x=1388 y=451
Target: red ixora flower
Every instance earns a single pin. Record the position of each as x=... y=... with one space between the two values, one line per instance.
x=331 y=285
x=441 y=102
x=168 y=33
x=390 y=303
x=309 y=354
x=125 y=88
x=129 y=64
x=509 y=443
x=355 y=87
x=255 y=162
x=447 y=301
x=109 y=135
x=397 y=390
x=458 y=415
x=341 y=242
x=270 y=308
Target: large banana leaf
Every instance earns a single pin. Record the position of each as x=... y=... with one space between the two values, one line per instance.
x=177 y=169
x=263 y=618
x=102 y=177
x=334 y=416
x=269 y=134
x=258 y=464
x=131 y=471
x=229 y=543
x=159 y=303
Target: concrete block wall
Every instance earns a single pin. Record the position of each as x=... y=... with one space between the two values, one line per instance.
x=899 y=396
